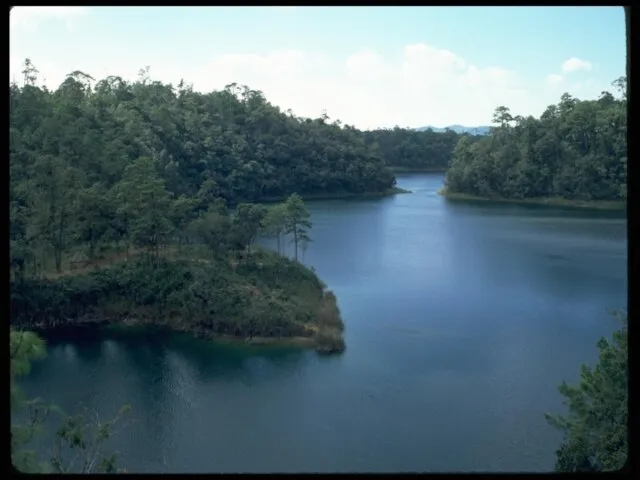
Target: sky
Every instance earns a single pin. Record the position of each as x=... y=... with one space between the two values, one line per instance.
x=371 y=67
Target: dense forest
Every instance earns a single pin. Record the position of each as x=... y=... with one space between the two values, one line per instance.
x=230 y=143
x=576 y=150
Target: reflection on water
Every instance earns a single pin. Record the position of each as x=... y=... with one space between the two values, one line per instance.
x=462 y=319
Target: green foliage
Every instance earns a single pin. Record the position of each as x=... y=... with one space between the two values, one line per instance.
x=576 y=150
x=595 y=427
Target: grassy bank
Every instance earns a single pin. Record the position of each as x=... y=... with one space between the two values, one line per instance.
x=550 y=201
x=258 y=300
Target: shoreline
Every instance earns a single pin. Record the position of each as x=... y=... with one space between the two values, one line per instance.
x=339 y=196
x=418 y=169
x=304 y=342
x=330 y=196
x=614 y=205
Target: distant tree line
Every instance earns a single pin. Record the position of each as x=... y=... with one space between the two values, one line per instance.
x=416 y=150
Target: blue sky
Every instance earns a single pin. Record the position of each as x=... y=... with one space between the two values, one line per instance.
x=368 y=66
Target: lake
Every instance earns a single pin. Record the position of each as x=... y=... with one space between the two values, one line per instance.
x=461 y=321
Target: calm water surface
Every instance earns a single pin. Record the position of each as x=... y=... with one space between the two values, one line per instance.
x=462 y=319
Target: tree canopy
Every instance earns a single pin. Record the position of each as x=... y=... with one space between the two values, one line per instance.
x=231 y=143
x=577 y=149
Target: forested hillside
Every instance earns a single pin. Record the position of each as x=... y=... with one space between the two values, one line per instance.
x=231 y=143
x=575 y=150
x=407 y=149
x=78 y=152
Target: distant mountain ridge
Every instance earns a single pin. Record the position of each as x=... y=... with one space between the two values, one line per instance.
x=481 y=130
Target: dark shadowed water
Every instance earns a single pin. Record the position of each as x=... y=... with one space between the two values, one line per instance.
x=462 y=319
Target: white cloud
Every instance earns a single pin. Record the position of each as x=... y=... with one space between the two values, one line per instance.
x=575 y=65
x=425 y=85
x=29 y=18
x=419 y=85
